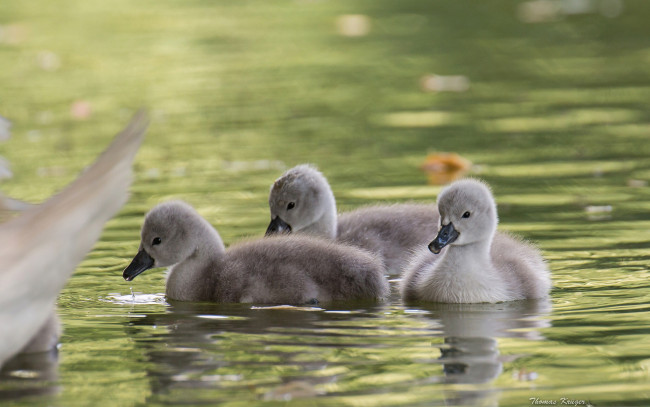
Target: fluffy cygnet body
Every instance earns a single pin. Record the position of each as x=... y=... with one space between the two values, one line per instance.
x=283 y=269
x=477 y=263
x=301 y=201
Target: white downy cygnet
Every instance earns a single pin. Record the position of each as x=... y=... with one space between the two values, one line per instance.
x=469 y=262
x=282 y=269
x=301 y=201
x=41 y=247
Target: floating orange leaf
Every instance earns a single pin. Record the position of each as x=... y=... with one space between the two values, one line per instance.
x=80 y=110
x=443 y=168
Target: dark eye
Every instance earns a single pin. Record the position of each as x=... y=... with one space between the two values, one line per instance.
x=291 y=205
x=156 y=241
x=466 y=214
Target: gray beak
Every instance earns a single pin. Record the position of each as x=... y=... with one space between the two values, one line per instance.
x=277 y=226
x=446 y=236
x=141 y=262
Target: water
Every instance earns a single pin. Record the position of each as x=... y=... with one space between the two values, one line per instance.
x=549 y=101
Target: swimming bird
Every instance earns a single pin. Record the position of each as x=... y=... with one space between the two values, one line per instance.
x=468 y=261
x=41 y=247
x=282 y=269
x=301 y=201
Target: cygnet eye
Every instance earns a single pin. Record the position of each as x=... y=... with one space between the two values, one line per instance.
x=156 y=241
x=291 y=205
x=466 y=214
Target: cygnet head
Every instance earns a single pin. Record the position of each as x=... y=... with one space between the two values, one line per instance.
x=468 y=215
x=299 y=199
x=172 y=232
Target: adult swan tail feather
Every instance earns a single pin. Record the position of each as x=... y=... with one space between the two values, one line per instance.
x=41 y=247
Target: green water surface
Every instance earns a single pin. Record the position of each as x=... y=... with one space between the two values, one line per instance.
x=555 y=117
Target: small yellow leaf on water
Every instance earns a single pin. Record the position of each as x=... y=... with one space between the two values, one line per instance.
x=353 y=25
x=443 y=168
x=13 y=34
x=292 y=390
x=637 y=183
x=444 y=83
x=428 y=118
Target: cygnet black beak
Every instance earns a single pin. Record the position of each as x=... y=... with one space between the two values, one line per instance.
x=446 y=236
x=141 y=262
x=277 y=226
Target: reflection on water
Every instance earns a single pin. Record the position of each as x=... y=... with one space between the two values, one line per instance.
x=470 y=352
x=30 y=375
x=342 y=352
x=546 y=98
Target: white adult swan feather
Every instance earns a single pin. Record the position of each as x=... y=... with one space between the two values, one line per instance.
x=41 y=247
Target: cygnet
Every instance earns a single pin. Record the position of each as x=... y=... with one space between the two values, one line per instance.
x=301 y=201
x=282 y=269
x=468 y=261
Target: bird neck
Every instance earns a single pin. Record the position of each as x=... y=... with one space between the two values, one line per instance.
x=209 y=245
x=190 y=279
x=473 y=259
x=325 y=225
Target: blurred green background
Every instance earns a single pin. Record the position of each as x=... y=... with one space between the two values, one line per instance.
x=547 y=98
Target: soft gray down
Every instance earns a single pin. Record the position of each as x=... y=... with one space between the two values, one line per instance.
x=301 y=201
x=277 y=270
x=468 y=261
